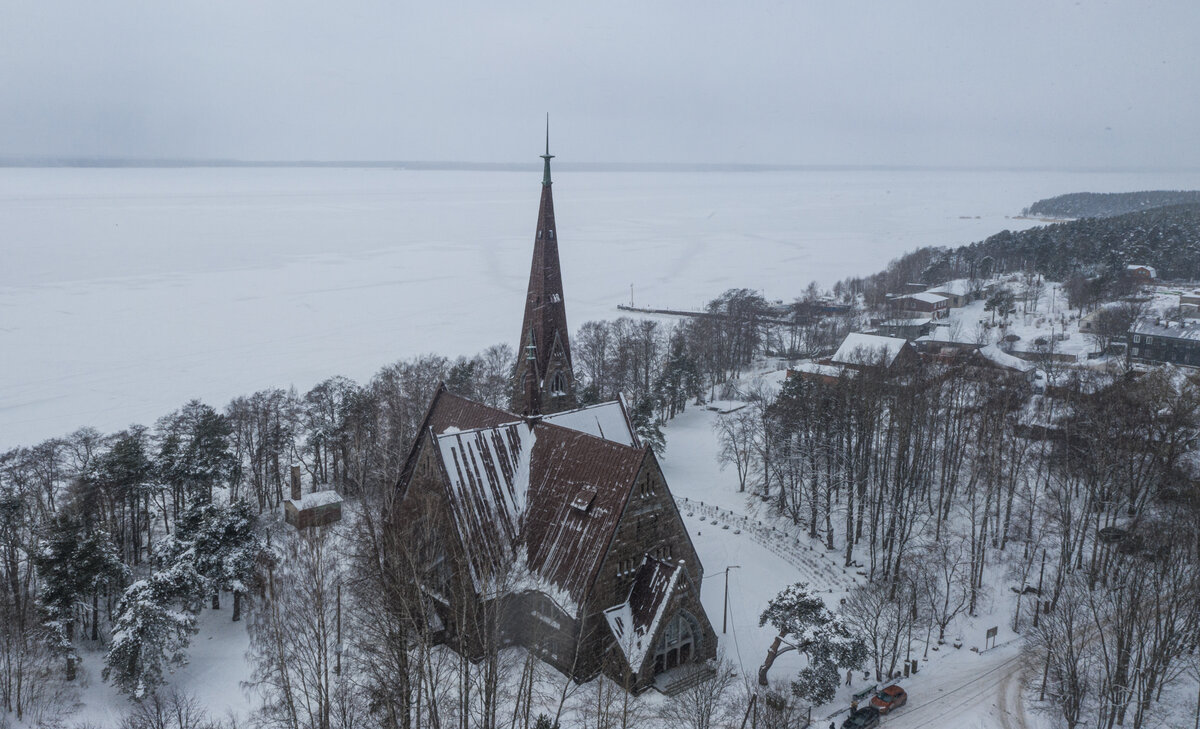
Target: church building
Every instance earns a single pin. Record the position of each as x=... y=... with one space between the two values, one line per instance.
x=551 y=526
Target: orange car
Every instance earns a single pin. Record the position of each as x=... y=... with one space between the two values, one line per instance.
x=892 y=697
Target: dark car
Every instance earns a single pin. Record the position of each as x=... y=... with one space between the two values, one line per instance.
x=865 y=718
x=892 y=697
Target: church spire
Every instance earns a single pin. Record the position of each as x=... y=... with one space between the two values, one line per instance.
x=547 y=156
x=544 y=380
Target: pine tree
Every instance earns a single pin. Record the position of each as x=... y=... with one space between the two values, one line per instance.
x=821 y=635
x=648 y=428
x=221 y=544
x=154 y=622
x=71 y=564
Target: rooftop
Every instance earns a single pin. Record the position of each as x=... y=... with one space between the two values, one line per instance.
x=859 y=348
x=1166 y=329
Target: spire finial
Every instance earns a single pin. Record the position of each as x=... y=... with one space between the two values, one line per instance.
x=547 y=156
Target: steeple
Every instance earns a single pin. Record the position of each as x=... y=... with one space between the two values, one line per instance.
x=543 y=379
x=547 y=156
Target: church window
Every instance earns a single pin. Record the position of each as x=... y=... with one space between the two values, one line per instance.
x=559 y=385
x=677 y=644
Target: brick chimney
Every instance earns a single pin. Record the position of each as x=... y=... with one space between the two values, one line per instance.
x=295 y=482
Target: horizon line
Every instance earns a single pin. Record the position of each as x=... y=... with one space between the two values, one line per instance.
x=39 y=161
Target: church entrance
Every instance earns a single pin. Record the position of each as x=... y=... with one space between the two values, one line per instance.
x=677 y=644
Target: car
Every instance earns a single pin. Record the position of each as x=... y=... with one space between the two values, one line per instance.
x=865 y=718
x=891 y=697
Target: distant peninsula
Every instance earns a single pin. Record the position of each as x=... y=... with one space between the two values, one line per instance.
x=1108 y=204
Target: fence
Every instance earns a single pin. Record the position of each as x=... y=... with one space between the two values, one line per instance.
x=798 y=549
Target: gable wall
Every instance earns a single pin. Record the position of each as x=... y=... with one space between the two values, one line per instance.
x=650 y=522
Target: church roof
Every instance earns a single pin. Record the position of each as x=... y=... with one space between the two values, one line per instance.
x=608 y=420
x=534 y=503
x=635 y=622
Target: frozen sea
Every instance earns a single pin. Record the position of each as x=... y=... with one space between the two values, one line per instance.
x=126 y=292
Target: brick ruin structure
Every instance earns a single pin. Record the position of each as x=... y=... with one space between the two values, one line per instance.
x=551 y=526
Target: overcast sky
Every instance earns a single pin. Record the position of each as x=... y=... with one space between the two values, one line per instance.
x=1004 y=82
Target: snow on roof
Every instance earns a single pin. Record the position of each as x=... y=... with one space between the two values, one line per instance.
x=957 y=287
x=906 y=322
x=1166 y=329
x=534 y=504
x=1136 y=266
x=926 y=296
x=608 y=420
x=488 y=470
x=635 y=622
x=814 y=368
x=999 y=357
x=859 y=348
x=315 y=499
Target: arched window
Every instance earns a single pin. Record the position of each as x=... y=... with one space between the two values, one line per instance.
x=559 y=385
x=677 y=642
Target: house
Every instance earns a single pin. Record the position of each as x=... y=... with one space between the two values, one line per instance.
x=1141 y=274
x=907 y=328
x=863 y=351
x=551 y=527
x=959 y=292
x=996 y=358
x=1189 y=302
x=315 y=509
x=936 y=306
x=826 y=374
x=1164 y=341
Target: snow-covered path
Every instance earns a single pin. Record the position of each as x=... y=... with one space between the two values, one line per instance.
x=957 y=688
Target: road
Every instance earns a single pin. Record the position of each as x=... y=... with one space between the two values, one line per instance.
x=985 y=695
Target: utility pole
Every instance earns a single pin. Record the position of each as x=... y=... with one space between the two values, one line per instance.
x=1037 y=605
x=725 y=612
x=337 y=669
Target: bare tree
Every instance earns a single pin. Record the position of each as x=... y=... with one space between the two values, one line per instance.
x=707 y=703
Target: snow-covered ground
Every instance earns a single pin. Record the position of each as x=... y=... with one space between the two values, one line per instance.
x=954 y=687
x=126 y=292
x=213 y=675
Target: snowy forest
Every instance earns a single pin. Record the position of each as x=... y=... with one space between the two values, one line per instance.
x=1089 y=255
x=1104 y=205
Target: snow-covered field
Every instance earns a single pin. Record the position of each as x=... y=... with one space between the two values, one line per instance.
x=126 y=292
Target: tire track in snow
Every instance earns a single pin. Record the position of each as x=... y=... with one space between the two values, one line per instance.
x=960 y=700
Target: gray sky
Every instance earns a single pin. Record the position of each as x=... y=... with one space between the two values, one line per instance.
x=1004 y=82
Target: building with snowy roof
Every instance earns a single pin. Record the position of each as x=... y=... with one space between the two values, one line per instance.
x=314 y=509
x=551 y=527
x=1141 y=274
x=860 y=351
x=959 y=292
x=936 y=306
x=1154 y=341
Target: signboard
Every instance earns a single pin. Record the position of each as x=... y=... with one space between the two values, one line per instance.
x=991 y=636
